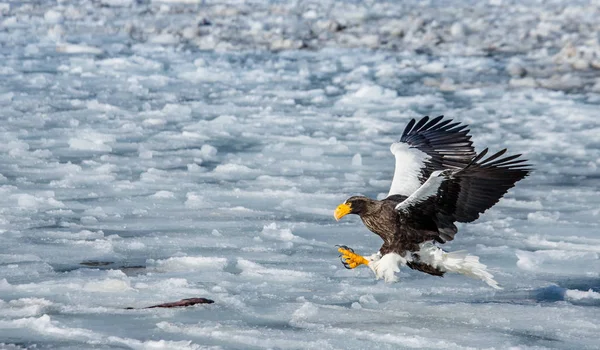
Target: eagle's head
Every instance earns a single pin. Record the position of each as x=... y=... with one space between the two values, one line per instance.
x=353 y=205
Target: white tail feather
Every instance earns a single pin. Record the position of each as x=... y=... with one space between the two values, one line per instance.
x=468 y=265
x=459 y=262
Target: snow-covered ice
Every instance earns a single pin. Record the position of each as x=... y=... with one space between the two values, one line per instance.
x=167 y=149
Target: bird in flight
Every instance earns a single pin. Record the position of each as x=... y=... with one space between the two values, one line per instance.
x=439 y=179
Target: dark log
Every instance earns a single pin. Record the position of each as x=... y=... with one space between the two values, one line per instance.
x=180 y=303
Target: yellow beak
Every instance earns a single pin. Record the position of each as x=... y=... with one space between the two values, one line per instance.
x=341 y=211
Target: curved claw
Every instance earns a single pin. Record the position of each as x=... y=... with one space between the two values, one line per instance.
x=346 y=264
x=344 y=257
x=349 y=258
x=345 y=247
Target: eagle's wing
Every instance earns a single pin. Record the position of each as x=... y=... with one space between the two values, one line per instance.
x=426 y=146
x=461 y=195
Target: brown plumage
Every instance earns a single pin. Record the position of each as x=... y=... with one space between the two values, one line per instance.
x=453 y=185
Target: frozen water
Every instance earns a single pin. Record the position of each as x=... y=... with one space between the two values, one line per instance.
x=159 y=150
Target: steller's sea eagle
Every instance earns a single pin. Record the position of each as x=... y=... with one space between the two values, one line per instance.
x=438 y=180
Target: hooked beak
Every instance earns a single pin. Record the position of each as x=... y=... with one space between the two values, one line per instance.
x=341 y=211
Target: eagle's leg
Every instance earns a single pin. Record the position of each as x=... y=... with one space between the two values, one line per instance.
x=387 y=266
x=350 y=259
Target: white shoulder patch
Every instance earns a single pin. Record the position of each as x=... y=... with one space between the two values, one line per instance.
x=428 y=189
x=409 y=162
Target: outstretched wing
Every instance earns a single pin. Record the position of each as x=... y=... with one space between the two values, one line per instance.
x=426 y=146
x=461 y=195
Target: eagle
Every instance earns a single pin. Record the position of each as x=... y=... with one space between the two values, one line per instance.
x=438 y=180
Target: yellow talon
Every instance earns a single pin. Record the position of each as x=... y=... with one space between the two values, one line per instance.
x=352 y=260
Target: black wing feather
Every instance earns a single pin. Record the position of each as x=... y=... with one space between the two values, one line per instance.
x=420 y=123
x=481 y=185
x=408 y=127
x=465 y=194
x=432 y=122
x=447 y=144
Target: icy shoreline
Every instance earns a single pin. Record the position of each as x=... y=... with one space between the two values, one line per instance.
x=550 y=44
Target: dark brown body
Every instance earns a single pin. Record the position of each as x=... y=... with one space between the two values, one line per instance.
x=382 y=218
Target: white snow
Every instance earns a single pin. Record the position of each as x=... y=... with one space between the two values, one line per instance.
x=581 y=295
x=52 y=16
x=274 y=232
x=189 y=263
x=368 y=94
x=168 y=149
x=78 y=49
x=107 y=286
x=163 y=195
x=357 y=160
